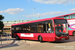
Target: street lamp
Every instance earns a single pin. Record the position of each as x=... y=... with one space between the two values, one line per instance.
x=33 y=13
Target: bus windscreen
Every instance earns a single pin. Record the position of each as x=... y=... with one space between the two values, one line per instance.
x=61 y=27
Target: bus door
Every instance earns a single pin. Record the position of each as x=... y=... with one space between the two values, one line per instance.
x=49 y=30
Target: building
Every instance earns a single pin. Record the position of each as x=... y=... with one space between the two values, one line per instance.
x=7 y=24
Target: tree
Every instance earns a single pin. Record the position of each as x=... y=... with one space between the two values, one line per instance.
x=1 y=23
x=1 y=17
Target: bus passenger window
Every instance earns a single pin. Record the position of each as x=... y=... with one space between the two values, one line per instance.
x=32 y=29
x=40 y=28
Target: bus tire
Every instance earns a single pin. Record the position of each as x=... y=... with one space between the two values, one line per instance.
x=12 y=36
x=17 y=37
x=40 y=39
x=73 y=33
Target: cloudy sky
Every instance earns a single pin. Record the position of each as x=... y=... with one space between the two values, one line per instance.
x=35 y=9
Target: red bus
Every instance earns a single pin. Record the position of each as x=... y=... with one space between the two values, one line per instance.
x=50 y=29
x=71 y=21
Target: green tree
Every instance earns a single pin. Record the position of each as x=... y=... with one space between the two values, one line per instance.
x=1 y=17
x=1 y=23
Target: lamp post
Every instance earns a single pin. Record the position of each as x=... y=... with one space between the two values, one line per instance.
x=33 y=13
x=44 y=16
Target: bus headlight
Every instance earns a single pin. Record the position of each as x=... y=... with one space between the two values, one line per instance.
x=57 y=37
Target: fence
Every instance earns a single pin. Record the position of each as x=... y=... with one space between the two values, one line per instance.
x=4 y=38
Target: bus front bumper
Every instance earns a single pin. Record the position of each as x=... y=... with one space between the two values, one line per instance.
x=62 y=38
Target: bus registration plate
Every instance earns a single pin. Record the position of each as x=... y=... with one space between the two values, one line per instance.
x=63 y=39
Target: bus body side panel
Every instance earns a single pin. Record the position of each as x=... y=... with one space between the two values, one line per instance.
x=45 y=36
x=70 y=32
x=34 y=36
x=71 y=27
x=50 y=37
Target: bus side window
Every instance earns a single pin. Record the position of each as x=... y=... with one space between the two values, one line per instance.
x=66 y=17
x=40 y=28
x=44 y=25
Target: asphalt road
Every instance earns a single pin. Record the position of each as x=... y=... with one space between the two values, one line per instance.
x=36 y=45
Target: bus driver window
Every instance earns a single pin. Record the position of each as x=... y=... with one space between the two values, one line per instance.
x=50 y=28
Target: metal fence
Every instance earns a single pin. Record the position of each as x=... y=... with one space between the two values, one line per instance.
x=4 y=38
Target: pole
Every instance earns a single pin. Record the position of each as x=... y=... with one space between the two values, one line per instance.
x=44 y=16
x=1 y=36
x=1 y=39
x=7 y=38
x=33 y=13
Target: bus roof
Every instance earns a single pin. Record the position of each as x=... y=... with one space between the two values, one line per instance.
x=66 y=14
x=36 y=21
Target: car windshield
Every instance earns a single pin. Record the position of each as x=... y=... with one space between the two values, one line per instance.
x=61 y=27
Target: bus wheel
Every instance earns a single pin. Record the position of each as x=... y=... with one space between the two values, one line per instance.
x=12 y=36
x=40 y=38
x=73 y=33
x=17 y=38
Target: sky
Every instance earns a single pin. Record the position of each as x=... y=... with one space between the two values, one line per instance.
x=13 y=10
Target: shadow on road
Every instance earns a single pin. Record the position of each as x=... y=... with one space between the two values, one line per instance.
x=71 y=39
